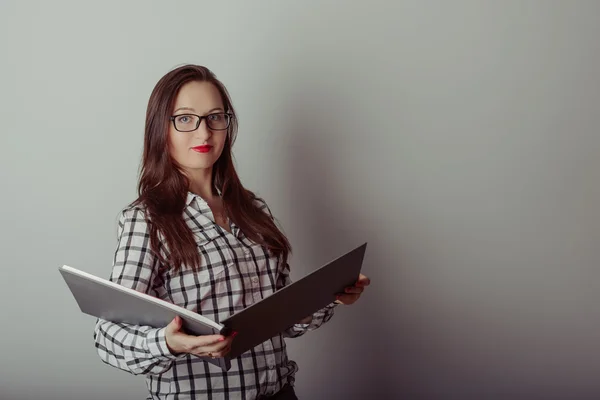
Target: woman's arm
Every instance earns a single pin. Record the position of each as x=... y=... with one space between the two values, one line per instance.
x=309 y=323
x=133 y=348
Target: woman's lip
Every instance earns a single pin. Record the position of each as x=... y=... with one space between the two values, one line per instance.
x=202 y=149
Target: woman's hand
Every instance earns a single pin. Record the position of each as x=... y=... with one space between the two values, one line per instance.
x=352 y=293
x=208 y=345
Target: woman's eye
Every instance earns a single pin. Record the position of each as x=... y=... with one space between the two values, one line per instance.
x=184 y=119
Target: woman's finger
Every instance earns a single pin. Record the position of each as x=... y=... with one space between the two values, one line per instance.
x=363 y=280
x=215 y=353
x=224 y=352
x=354 y=289
x=212 y=353
x=214 y=348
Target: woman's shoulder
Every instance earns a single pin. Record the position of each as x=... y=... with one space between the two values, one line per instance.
x=132 y=214
x=261 y=204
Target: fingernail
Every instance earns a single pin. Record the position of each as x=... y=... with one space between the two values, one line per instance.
x=221 y=339
x=234 y=334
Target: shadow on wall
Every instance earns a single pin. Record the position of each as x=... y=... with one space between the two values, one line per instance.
x=326 y=224
x=326 y=218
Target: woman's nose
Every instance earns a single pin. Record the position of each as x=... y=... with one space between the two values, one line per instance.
x=203 y=132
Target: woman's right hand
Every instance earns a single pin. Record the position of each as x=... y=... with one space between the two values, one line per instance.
x=204 y=346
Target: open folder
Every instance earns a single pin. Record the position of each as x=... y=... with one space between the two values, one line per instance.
x=255 y=324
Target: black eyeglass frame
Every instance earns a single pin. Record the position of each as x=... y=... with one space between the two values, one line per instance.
x=200 y=118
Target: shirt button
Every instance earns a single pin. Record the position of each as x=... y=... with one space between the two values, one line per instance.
x=247 y=252
x=254 y=280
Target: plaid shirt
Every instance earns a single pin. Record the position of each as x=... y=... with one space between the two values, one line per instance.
x=235 y=273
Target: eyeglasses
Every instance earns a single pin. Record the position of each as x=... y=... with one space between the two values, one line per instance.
x=191 y=122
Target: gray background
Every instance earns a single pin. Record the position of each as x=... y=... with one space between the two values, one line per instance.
x=459 y=138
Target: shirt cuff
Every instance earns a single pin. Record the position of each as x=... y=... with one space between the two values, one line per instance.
x=157 y=345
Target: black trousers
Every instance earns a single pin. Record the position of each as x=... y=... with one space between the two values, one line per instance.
x=286 y=393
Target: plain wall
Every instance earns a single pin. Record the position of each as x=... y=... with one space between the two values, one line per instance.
x=460 y=139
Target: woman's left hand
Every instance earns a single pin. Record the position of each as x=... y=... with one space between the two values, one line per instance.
x=352 y=293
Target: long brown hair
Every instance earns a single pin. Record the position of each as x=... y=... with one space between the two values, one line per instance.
x=163 y=187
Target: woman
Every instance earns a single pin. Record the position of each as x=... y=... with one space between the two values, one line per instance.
x=197 y=238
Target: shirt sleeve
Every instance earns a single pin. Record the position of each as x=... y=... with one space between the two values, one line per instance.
x=318 y=318
x=133 y=348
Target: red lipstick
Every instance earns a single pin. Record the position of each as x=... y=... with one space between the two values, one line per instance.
x=202 y=149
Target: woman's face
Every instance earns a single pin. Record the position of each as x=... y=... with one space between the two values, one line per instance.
x=197 y=149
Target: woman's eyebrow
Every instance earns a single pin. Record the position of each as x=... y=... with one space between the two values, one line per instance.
x=191 y=109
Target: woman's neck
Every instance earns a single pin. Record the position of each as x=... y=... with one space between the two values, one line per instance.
x=201 y=183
